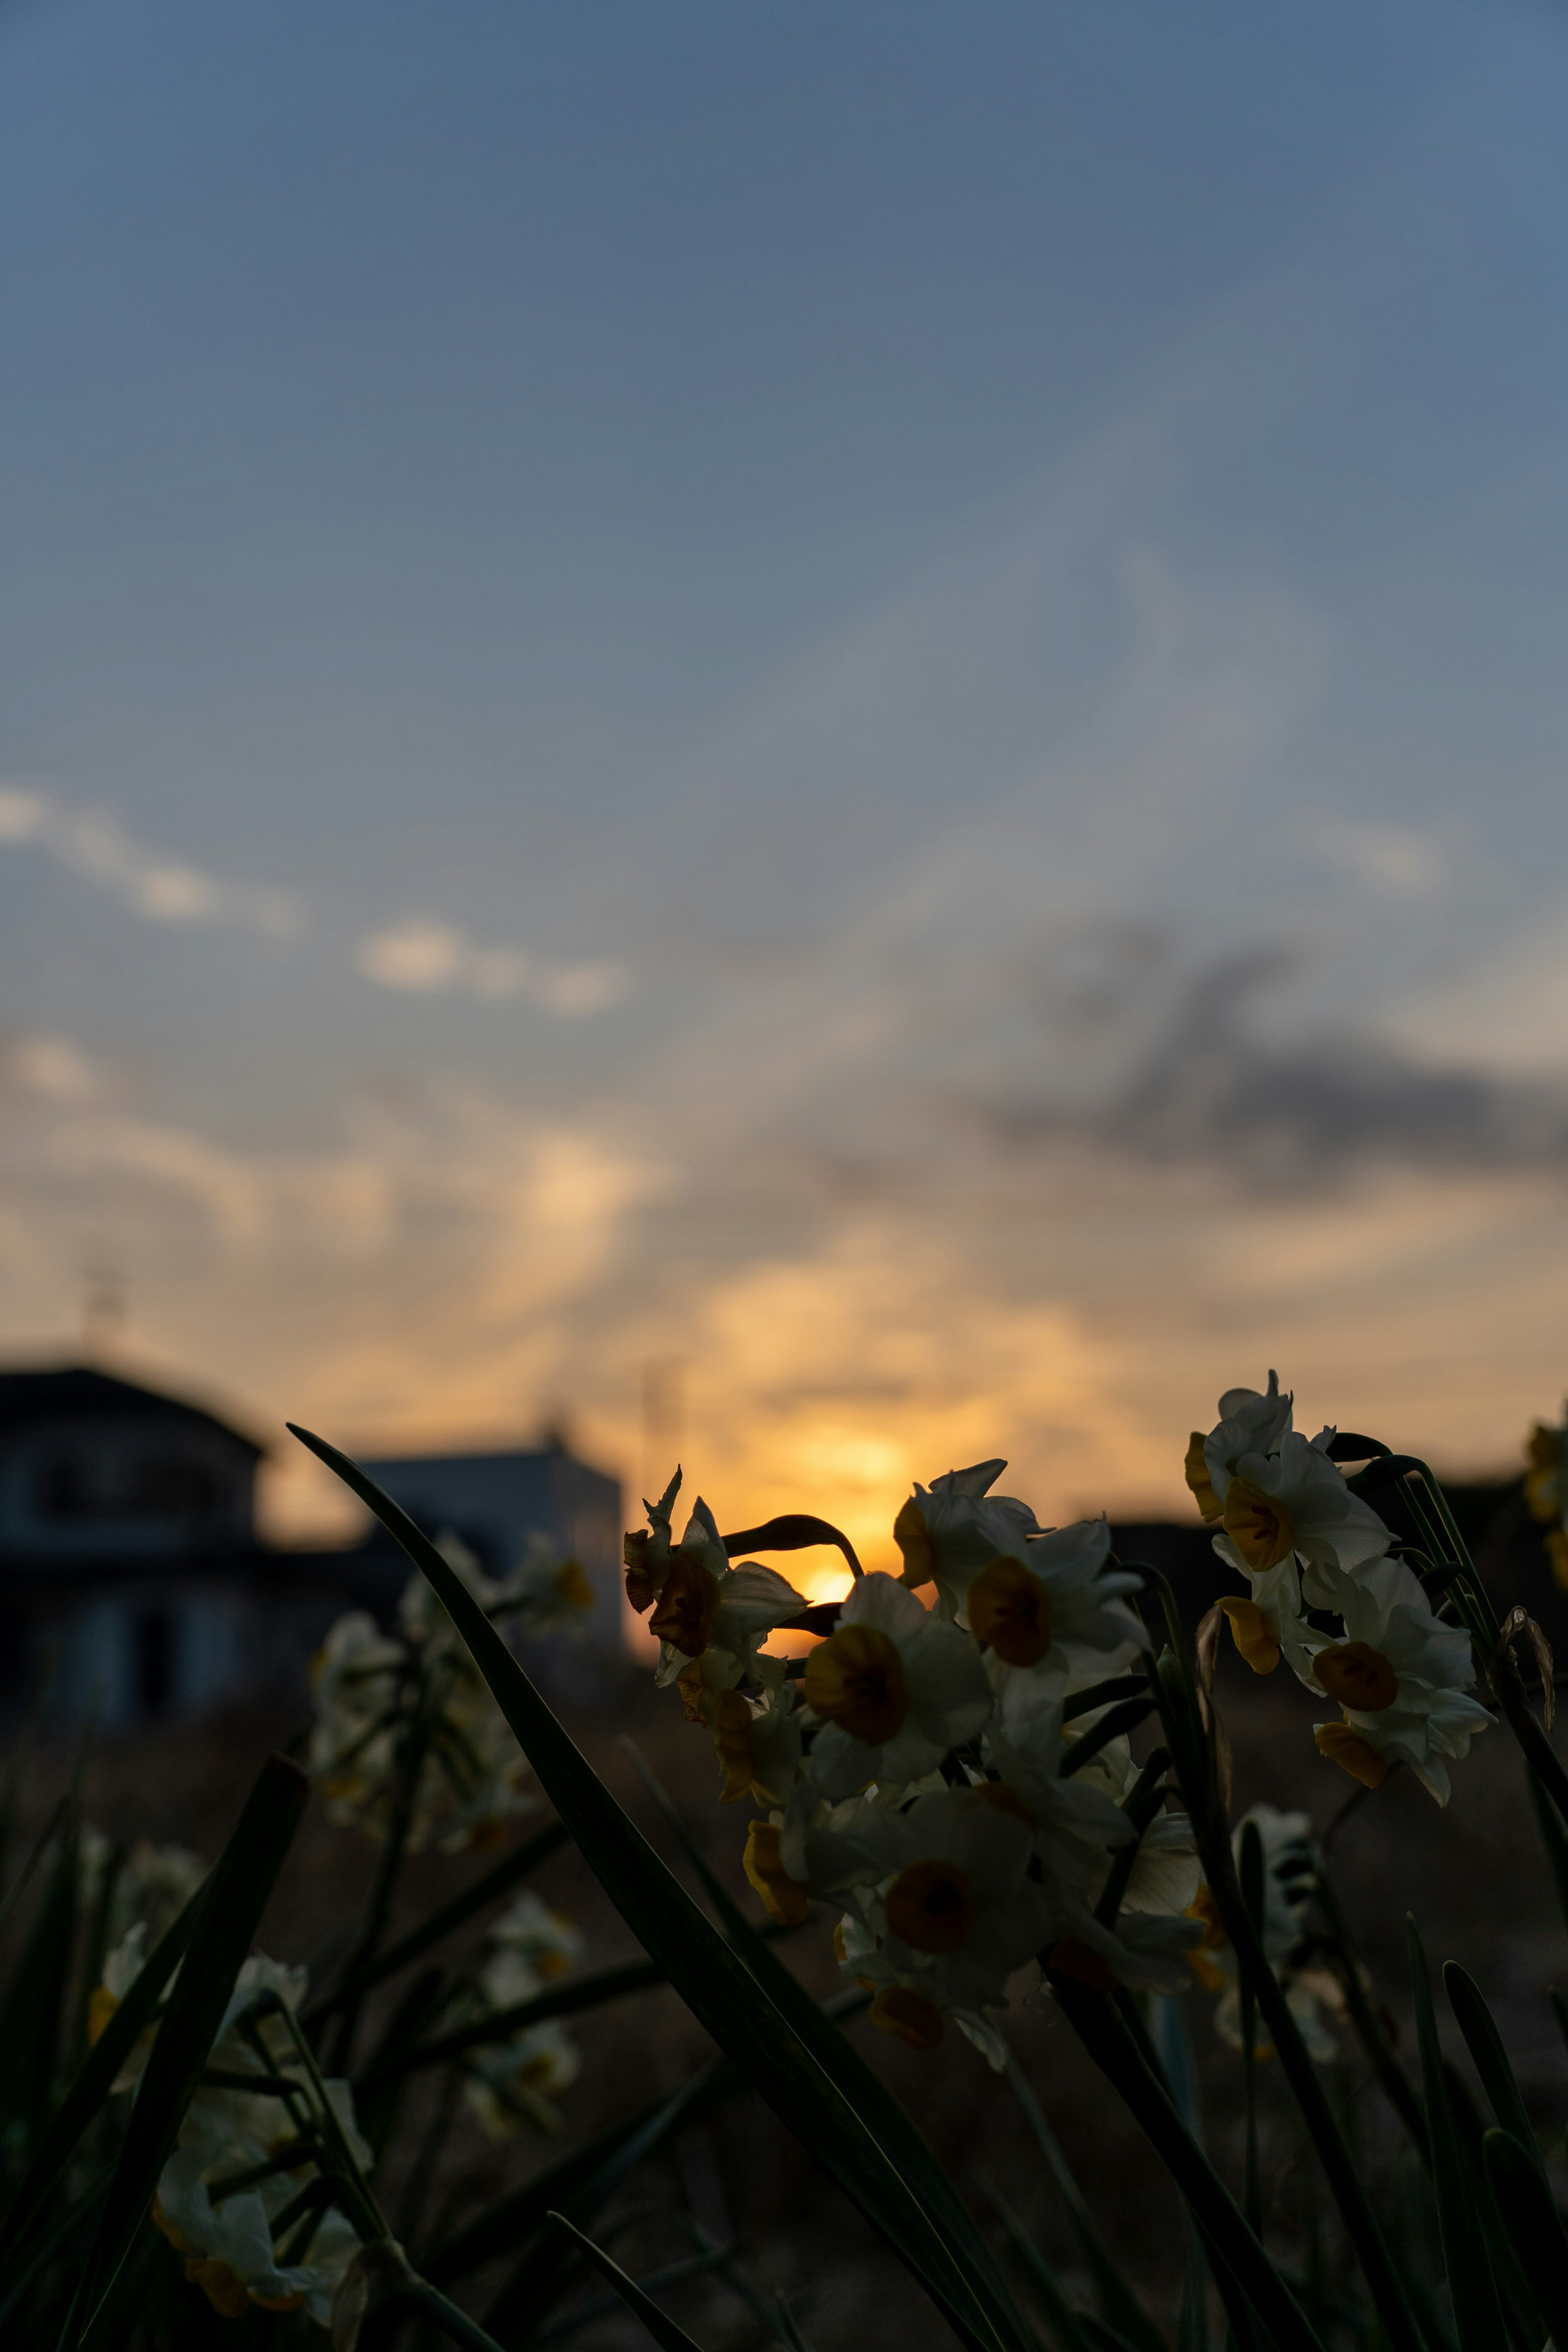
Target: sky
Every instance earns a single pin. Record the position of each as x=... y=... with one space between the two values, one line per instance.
x=830 y=738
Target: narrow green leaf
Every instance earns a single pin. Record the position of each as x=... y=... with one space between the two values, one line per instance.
x=588 y=2172
x=1104 y=2338
x=510 y=1872
x=1127 y=1716
x=1554 y=1838
x=1529 y=2215
x=1065 y=2323
x=229 y=1908
x=1520 y=2312
x=726 y=1994
x=94 y=2079
x=871 y=2096
x=34 y=2015
x=1559 y=2010
x=659 y=2324
x=1252 y=1895
x=1484 y=2042
x=556 y=2001
x=1100 y=2026
x=1116 y=2302
x=1105 y=1693
x=1478 y=2322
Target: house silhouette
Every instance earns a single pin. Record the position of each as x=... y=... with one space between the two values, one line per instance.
x=135 y=1586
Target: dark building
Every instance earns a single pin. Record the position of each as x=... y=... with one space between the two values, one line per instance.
x=134 y=1585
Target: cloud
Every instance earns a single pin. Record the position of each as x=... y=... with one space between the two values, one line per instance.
x=426 y=957
x=161 y=889
x=420 y=954
x=1398 y=865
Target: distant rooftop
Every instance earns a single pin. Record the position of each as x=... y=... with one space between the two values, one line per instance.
x=74 y=1391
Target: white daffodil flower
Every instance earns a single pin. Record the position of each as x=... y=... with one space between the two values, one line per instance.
x=516 y=2082
x=757 y=1739
x=892 y=1688
x=1249 y=1422
x=1399 y=1676
x=1074 y=1822
x=544 y=1593
x=546 y=1941
x=226 y=2132
x=1296 y=1502
x=1043 y=1608
x=228 y=2244
x=1271 y=1621
x=952 y=1913
x=1166 y=1873
x=951 y=1528
x=702 y=1607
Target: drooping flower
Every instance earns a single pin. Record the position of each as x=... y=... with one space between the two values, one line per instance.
x=893 y=1689
x=1399 y=1678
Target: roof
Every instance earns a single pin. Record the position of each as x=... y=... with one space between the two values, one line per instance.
x=77 y=1393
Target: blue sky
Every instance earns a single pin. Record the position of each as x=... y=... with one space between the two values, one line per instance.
x=869 y=696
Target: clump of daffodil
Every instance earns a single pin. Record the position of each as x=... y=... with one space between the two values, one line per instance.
x=515 y=2080
x=388 y=1706
x=1546 y=1490
x=229 y=2199
x=1313 y=1553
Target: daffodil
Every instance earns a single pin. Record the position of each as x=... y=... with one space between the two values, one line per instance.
x=893 y=1689
x=1399 y=1676
x=1165 y=1872
x=211 y=2203
x=1294 y=1504
x=379 y=1700
x=701 y=1607
x=952 y=1912
x=1074 y=1822
x=951 y=1528
x=516 y=2080
x=1250 y=1421
x=1043 y=1609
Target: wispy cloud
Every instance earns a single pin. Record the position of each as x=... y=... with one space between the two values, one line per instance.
x=420 y=954
x=162 y=889
x=426 y=957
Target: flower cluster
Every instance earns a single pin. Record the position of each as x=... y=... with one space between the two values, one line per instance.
x=917 y=1769
x=406 y=1720
x=513 y=2082
x=1327 y=1592
x=241 y=2196
x=1546 y=1490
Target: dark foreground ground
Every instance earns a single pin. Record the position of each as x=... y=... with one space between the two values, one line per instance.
x=1473 y=1876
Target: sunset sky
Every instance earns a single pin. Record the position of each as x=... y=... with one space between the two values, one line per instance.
x=853 y=716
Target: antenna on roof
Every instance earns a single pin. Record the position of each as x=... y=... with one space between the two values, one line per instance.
x=102 y=1309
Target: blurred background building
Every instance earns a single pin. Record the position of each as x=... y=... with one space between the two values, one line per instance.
x=135 y=1584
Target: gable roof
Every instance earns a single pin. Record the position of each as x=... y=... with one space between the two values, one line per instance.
x=77 y=1393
